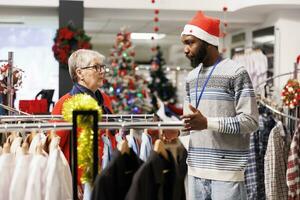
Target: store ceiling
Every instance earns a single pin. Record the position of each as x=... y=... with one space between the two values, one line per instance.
x=104 y=23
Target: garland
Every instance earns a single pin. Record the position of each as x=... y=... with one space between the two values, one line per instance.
x=83 y=102
x=67 y=40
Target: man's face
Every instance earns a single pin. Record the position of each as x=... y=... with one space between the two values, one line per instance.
x=194 y=49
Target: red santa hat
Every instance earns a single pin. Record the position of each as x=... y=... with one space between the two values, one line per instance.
x=203 y=27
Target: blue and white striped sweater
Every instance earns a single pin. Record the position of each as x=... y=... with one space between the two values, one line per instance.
x=228 y=102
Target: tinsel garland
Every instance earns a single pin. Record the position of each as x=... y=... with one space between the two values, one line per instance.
x=83 y=102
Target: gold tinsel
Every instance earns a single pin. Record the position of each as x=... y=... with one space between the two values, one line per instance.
x=83 y=102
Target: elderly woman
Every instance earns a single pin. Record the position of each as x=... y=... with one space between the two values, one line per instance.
x=87 y=71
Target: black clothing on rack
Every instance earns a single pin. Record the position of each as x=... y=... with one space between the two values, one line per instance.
x=115 y=180
x=157 y=179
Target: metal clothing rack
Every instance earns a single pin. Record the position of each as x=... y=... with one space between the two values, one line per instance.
x=59 y=117
x=102 y=125
x=277 y=111
x=73 y=139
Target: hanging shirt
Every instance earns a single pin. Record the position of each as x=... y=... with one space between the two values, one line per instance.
x=36 y=183
x=59 y=177
x=276 y=164
x=7 y=167
x=114 y=181
x=20 y=177
x=107 y=151
x=146 y=146
x=132 y=143
x=293 y=168
x=256 y=63
x=157 y=179
x=254 y=172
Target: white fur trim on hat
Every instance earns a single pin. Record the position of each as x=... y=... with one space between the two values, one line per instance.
x=201 y=34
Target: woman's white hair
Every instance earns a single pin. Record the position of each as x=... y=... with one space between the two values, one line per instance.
x=82 y=58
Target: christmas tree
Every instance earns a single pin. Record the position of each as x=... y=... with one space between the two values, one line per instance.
x=128 y=91
x=160 y=85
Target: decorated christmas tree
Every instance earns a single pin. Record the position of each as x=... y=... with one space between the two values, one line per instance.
x=128 y=91
x=160 y=85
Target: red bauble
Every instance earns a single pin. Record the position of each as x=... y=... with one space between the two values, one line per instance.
x=225 y=8
x=156 y=28
x=152 y=1
x=156 y=19
x=156 y=11
x=131 y=84
x=154 y=66
x=132 y=53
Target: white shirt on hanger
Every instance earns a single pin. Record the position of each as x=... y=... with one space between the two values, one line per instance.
x=36 y=178
x=7 y=166
x=19 y=180
x=59 y=178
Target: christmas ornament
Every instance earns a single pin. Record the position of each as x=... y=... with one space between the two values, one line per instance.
x=291 y=94
x=17 y=76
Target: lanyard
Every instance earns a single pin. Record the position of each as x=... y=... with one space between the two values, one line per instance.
x=205 y=83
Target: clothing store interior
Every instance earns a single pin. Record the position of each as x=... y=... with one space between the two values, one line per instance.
x=150 y=100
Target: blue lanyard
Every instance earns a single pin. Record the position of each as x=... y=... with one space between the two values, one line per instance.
x=206 y=81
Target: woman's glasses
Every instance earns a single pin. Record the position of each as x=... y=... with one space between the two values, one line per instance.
x=97 y=67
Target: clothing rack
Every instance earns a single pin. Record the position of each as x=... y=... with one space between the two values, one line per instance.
x=102 y=125
x=277 y=111
x=73 y=126
x=294 y=73
x=272 y=109
x=59 y=117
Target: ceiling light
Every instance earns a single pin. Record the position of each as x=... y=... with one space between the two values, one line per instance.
x=264 y=39
x=147 y=36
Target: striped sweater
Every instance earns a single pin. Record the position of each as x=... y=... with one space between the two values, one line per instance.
x=220 y=152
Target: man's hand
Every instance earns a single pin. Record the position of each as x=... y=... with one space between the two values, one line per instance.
x=194 y=121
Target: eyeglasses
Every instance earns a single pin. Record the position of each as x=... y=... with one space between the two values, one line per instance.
x=97 y=67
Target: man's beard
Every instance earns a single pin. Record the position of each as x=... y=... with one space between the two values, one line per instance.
x=199 y=57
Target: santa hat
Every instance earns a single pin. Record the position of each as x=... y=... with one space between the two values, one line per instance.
x=203 y=27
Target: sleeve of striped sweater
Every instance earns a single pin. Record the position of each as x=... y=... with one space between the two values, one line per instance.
x=246 y=119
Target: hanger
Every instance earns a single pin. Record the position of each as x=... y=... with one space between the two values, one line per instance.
x=25 y=148
x=30 y=137
x=12 y=136
x=49 y=138
x=146 y=131
x=123 y=147
x=6 y=148
x=39 y=149
x=159 y=148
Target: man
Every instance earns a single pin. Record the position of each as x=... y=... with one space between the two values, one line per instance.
x=220 y=112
